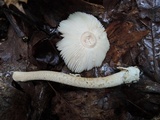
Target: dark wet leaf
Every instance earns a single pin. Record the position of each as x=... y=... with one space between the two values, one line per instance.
x=141 y=100
x=150 y=9
x=13 y=51
x=85 y=104
x=14 y=103
x=111 y=7
x=4 y=28
x=148 y=86
x=45 y=53
x=149 y=58
x=119 y=10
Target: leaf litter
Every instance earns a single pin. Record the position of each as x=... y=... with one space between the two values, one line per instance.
x=133 y=30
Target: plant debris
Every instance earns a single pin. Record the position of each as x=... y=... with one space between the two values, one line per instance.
x=133 y=31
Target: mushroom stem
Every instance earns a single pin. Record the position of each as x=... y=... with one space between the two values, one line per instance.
x=126 y=75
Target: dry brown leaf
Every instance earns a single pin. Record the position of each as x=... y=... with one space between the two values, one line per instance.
x=122 y=37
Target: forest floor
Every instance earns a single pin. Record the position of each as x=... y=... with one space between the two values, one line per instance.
x=28 y=44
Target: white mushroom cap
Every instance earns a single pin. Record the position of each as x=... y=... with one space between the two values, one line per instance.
x=84 y=44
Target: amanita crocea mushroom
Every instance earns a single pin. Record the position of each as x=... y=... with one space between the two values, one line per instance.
x=84 y=44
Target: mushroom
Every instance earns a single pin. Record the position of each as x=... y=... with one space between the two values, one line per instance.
x=84 y=44
x=126 y=75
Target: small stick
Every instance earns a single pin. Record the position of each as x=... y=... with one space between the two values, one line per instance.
x=126 y=75
x=13 y=22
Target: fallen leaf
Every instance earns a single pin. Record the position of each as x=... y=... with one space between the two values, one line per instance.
x=122 y=37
